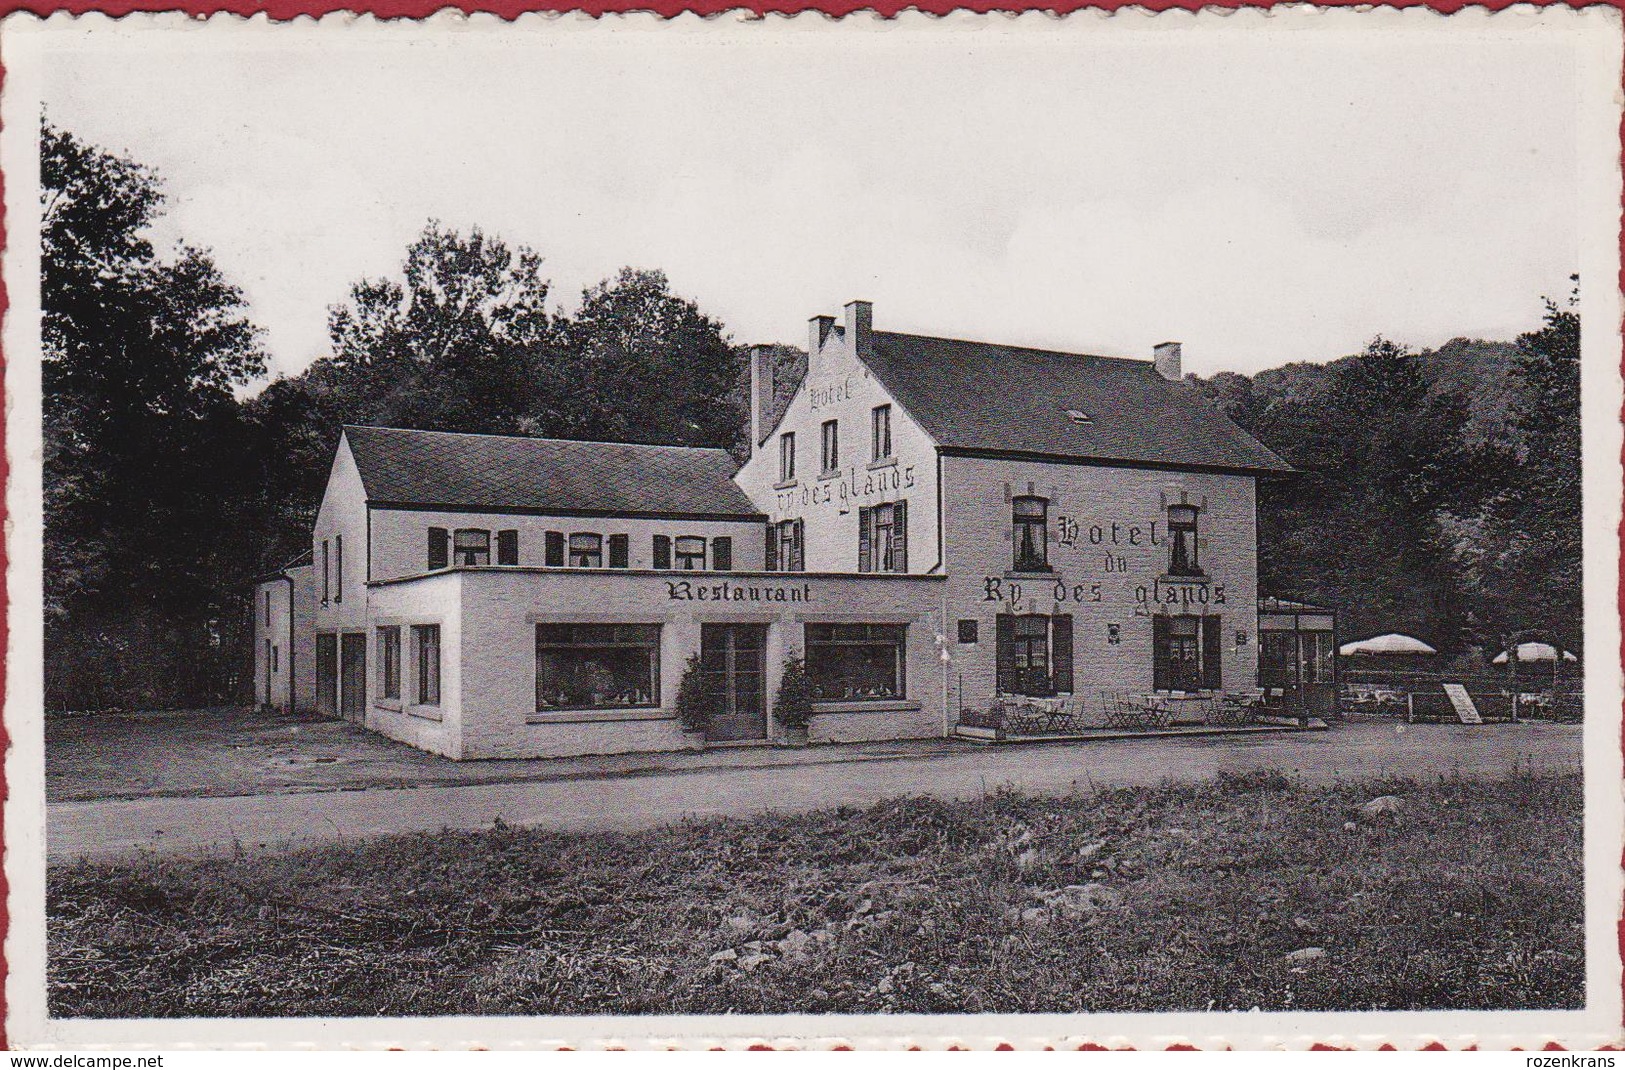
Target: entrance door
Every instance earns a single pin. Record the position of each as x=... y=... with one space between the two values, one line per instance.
x=732 y=657
x=353 y=695
x=327 y=674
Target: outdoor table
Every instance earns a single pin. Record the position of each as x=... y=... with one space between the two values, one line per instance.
x=1180 y=709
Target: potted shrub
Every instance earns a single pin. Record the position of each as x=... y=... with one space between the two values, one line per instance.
x=693 y=705
x=793 y=706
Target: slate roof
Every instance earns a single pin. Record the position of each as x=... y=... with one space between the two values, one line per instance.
x=498 y=473
x=981 y=397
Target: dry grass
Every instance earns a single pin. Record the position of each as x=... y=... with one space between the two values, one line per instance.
x=1184 y=897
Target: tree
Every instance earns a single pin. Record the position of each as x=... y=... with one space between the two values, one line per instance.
x=648 y=365
x=143 y=439
x=1527 y=563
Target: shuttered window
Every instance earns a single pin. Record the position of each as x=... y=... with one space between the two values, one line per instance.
x=620 y=551
x=662 y=551
x=439 y=548
x=1034 y=654
x=553 y=549
x=1186 y=652
x=785 y=542
x=338 y=568
x=722 y=553
x=508 y=547
x=883 y=538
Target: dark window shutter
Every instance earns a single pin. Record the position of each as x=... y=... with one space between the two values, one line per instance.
x=1005 y=655
x=620 y=551
x=899 y=538
x=722 y=553
x=553 y=549
x=865 y=532
x=798 y=561
x=771 y=558
x=508 y=547
x=1159 y=654
x=439 y=548
x=1060 y=635
x=662 y=551
x=1212 y=653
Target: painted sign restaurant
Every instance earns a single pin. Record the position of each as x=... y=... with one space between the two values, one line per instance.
x=931 y=525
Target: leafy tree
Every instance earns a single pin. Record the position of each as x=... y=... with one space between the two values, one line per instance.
x=648 y=365
x=143 y=440
x=1526 y=563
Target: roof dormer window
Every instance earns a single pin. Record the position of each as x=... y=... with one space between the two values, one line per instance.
x=1078 y=416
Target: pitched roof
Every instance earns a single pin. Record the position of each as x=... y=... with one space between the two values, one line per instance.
x=982 y=397
x=499 y=473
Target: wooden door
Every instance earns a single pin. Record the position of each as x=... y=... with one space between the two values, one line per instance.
x=327 y=675
x=733 y=658
x=353 y=692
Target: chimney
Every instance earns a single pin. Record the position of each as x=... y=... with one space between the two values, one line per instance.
x=1166 y=361
x=818 y=329
x=761 y=393
x=860 y=318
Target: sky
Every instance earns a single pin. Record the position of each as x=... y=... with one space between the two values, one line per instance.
x=1264 y=194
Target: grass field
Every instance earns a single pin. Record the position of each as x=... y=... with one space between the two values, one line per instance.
x=1251 y=891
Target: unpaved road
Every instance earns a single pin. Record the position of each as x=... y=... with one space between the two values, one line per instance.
x=104 y=828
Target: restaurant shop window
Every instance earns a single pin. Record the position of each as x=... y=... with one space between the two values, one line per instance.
x=471 y=546
x=389 y=662
x=426 y=663
x=856 y=662
x=597 y=666
x=883 y=538
x=1186 y=653
x=880 y=432
x=1034 y=654
x=1029 y=533
x=1182 y=550
x=690 y=551
x=785 y=541
x=829 y=447
x=586 y=550
x=787 y=457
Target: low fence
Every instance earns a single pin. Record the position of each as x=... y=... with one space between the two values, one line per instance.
x=1420 y=696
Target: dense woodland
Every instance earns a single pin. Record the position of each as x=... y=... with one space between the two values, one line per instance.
x=1438 y=494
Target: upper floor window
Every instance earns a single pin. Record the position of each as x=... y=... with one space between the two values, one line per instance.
x=787 y=457
x=267 y=609
x=883 y=538
x=1029 y=533
x=722 y=553
x=1182 y=551
x=586 y=550
x=830 y=453
x=471 y=546
x=553 y=549
x=690 y=551
x=326 y=581
x=439 y=548
x=620 y=551
x=338 y=568
x=880 y=428
x=784 y=546
x=508 y=547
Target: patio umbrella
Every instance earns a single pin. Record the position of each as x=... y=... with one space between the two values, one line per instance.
x=1533 y=652
x=1392 y=643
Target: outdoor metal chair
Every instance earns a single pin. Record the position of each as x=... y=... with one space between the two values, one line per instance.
x=1233 y=709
